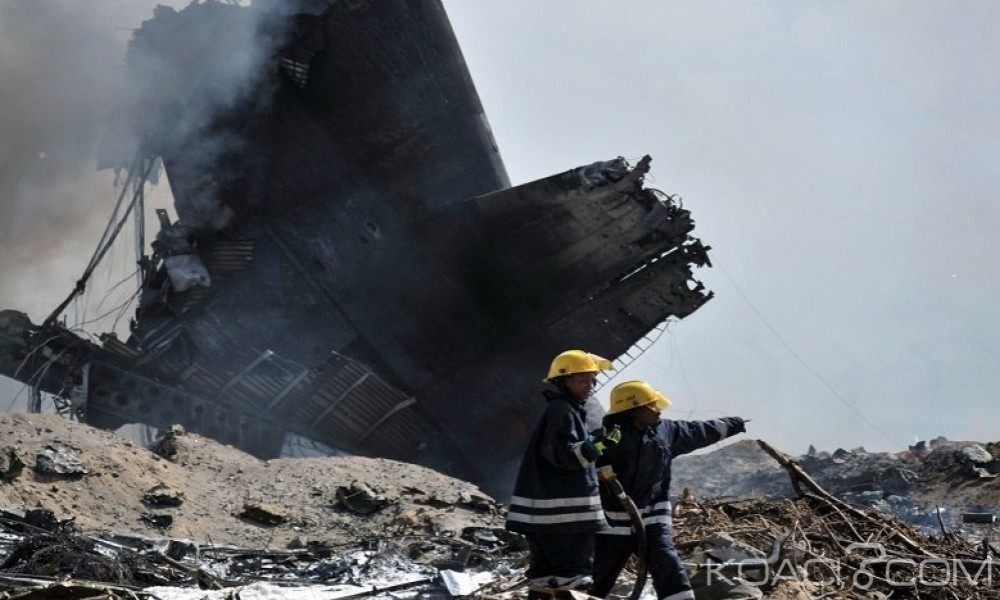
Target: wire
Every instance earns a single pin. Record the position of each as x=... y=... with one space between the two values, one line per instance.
x=121 y=313
x=110 y=267
x=684 y=378
x=139 y=223
x=116 y=309
x=37 y=348
x=675 y=358
x=802 y=361
x=10 y=405
x=107 y=294
x=108 y=238
x=37 y=376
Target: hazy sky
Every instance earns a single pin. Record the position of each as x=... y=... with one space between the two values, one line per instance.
x=839 y=157
x=841 y=160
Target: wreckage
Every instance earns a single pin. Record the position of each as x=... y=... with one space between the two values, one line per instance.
x=89 y=526
x=350 y=263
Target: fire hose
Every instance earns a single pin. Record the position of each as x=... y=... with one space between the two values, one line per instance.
x=607 y=476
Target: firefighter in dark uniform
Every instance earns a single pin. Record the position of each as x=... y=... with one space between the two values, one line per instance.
x=556 y=504
x=641 y=462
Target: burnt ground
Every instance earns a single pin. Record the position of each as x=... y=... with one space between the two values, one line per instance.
x=332 y=522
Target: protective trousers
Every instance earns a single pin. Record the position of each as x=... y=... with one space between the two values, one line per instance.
x=670 y=578
x=561 y=560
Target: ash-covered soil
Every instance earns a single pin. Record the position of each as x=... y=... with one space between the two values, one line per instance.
x=224 y=496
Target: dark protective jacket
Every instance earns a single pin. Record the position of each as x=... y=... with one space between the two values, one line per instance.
x=556 y=487
x=641 y=461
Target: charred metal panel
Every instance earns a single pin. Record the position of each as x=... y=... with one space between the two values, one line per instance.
x=564 y=262
x=371 y=280
x=118 y=396
x=52 y=360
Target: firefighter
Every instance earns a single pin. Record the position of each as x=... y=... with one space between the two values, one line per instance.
x=641 y=462
x=556 y=504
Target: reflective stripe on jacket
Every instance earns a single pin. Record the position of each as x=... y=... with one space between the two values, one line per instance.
x=621 y=523
x=641 y=462
x=556 y=488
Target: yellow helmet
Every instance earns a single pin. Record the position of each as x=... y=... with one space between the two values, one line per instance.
x=576 y=361
x=631 y=394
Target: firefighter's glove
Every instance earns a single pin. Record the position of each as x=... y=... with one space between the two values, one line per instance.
x=599 y=441
x=589 y=450
x=604 y=439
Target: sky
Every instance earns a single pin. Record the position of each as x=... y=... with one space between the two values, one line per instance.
x=838 y=157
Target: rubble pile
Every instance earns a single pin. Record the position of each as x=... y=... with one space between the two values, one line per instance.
x=85 y=505
x=88 y=514
x=50 y=561
x=930 y=480
x=816 y=546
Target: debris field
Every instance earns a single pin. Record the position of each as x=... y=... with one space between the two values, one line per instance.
x=90 y=514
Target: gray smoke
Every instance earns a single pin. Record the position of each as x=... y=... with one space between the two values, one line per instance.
x=183 y=100
x=62 y=74
x=62 y=66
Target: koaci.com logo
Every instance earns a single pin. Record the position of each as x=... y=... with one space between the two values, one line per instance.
x=877 y=568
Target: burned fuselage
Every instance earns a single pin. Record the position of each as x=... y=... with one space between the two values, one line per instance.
x=349 y=261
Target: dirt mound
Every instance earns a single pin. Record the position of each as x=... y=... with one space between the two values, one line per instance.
x=209 y=492
x=739 y=470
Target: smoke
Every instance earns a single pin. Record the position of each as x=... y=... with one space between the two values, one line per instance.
x=186 y=102
x=62 y=69
x=62 y=88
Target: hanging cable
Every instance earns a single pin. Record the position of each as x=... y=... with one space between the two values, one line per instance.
x=125 y=307
x=111 y=290
x=803 y=362
x=139 y=216
x=36 y=378
x=117 y=309
x=684 y=378
x=108 y=238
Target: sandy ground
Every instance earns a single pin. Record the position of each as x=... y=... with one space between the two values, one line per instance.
x=318 y=498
